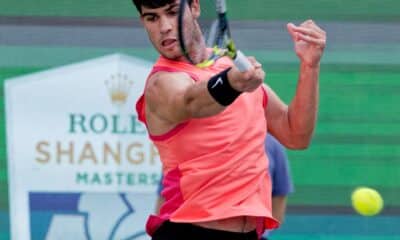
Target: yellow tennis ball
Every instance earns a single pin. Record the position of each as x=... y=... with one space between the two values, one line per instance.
x=366 y=201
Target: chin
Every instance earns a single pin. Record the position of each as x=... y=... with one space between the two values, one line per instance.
x=175 y=54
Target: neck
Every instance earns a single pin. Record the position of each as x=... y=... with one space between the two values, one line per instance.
x=199 y=52
x=197 y=48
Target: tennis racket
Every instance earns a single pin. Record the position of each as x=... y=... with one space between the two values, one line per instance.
x=219 y=34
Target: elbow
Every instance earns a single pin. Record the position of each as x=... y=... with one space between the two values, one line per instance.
x=300 y=141
x=303 y=145
x=304 y=142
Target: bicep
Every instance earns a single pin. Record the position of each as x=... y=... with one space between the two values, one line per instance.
x=276 y=113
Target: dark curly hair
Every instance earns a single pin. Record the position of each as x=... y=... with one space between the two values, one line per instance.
x=153 y=3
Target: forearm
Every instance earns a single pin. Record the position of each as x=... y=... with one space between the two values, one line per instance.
x=199 y=103
x=176 y=97
x=302 y=113
x=209 y=98
x=279 y=208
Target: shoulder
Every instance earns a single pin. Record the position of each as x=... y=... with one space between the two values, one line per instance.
x=167 y=82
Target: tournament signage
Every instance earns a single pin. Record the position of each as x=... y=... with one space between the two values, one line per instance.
x=80 y=163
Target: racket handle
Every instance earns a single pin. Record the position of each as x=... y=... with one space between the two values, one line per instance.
x=241 y=62
x=220 y=6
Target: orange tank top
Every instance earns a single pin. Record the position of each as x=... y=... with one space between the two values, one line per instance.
x=214 y=167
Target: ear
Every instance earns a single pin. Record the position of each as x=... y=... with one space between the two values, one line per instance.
x=195 y=8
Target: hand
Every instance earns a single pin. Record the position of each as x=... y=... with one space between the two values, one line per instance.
x=309 y=42
x=249 y=80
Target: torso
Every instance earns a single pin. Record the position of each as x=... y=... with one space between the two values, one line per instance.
x=215 y=168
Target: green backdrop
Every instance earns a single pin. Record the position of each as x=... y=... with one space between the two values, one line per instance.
x=357 y=139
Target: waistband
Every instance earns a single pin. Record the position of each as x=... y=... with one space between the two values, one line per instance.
x=183 y=231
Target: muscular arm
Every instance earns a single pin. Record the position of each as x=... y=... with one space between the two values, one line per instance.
x=293 y=125
x=172 y=98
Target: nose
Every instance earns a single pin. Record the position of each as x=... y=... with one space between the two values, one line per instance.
x=165 y=24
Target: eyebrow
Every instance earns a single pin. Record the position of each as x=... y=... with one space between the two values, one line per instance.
x=171 y=6
x=148 y=14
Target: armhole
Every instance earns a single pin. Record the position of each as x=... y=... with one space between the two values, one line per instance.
x=140 y=109
x=265 y=96
x=169 y=134
x=140 y=104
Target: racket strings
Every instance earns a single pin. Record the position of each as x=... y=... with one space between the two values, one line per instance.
x=217 y=34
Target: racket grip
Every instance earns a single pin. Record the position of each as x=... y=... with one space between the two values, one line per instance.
x=241 y=62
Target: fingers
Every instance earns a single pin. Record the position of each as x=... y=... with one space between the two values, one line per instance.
x=257 y=75
x=309 y=32
x=290 y=28
x=254 y=62
x=249 y=80
x=309 y=39
x=310 y=23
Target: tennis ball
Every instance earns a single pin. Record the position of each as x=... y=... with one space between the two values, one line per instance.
x=366 y=201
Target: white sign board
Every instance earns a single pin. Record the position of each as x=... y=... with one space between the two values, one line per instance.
x=80 y=163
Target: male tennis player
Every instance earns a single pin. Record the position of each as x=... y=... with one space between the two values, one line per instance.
x=209 y=125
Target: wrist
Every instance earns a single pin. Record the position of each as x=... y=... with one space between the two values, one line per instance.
x=221 y=90
x=310 y=66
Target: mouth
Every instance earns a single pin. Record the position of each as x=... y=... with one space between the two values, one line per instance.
x=168 y=43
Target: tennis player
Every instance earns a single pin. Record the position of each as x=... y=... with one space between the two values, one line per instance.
x=282 y=184
x=209 y=125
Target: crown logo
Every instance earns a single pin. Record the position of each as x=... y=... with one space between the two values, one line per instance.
x=119 y=86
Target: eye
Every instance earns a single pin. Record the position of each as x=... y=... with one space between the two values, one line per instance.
x=150 y=18
x=172 y=13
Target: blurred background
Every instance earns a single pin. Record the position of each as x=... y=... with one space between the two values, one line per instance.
x=357 y=141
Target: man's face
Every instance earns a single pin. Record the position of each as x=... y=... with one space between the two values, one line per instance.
x=161 y=26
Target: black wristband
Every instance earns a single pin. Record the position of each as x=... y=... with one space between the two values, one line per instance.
x=221 y=90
